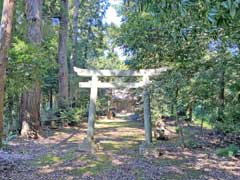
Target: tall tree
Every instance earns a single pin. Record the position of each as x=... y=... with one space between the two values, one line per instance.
x=5 y=37
x=62 y=55
x=73 y=58
x=30 y=100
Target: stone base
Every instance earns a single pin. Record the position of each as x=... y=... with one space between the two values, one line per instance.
x=90 y=146
x=149 y=150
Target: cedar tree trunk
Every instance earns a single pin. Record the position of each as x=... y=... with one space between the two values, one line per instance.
x=30 y=100
x=62 y=55
x=5 y=37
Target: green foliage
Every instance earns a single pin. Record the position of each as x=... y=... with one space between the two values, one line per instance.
x=177 y=130
x=92 y=40
x=29 y=63
x=228 y=126
x=229 y=151
x=1 y=6
x=178 y=34
x=47 y=160
x=10 y=137
x=191 y=143
x=73 y=115
x=107 y=63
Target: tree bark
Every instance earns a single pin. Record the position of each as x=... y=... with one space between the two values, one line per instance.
x=51 y=98
x=172 y=109
x=30 y=112
x=73 y=58
x=62 y=55
x=10 y=109
x=221 y=96
x=30 y=100
x=5 y=37
x=190 y=110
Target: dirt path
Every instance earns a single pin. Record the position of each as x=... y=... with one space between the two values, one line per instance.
x=57 y=157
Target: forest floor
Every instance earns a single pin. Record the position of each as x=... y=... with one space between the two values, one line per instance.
x=56 y=157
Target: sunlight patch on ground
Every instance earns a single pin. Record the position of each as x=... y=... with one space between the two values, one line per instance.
x=206 y=124
x=47 y=160
x=94 y=165
x=116 y=145
x=74 y=139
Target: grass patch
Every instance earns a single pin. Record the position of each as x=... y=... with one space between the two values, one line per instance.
x=69 y=155
x=73 y=139
x=47 y=160
x=229 y=151
x=94 y=165
x=116 y=124
x=139 y=174
x=172 y=176
x=188 y=174
x=206 y=124
x=51 y=159
x=117 y=145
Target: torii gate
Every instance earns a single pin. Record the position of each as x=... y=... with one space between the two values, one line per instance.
x=94 y=84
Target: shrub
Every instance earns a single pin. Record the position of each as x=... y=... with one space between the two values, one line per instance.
x=229 y=151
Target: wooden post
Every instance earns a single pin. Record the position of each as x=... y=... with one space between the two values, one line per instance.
x=92 y=108
x=147 y=112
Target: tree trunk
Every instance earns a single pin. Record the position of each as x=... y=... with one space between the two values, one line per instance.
x=172 y=109
x=30 y=100
x=73 y=57
x=62 y=55
x=221 y=97
x=76 y=4
x=5 y=37
x=179 y=121
x=30 y=112
x=190 y=110
x=51 y=98
x=10 y=109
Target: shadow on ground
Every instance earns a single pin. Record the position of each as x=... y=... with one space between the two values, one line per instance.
x=57 y=157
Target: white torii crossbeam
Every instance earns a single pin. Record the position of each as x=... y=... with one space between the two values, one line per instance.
x=94 y=84
x=119 y=73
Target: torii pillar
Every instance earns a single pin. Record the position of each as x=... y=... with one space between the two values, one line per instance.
x=92 y=108
x=89 y=143
x=147 y=111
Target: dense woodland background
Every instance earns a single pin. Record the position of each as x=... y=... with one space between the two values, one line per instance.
x=197 y=39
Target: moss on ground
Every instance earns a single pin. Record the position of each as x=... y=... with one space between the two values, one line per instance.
x=117 y=145
x=139 y=174
x=47 y=160
x=206 y=124
x=116 y=124
x=73 y=139
x=51 y=159
x=188 y=174
x=94 y=165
